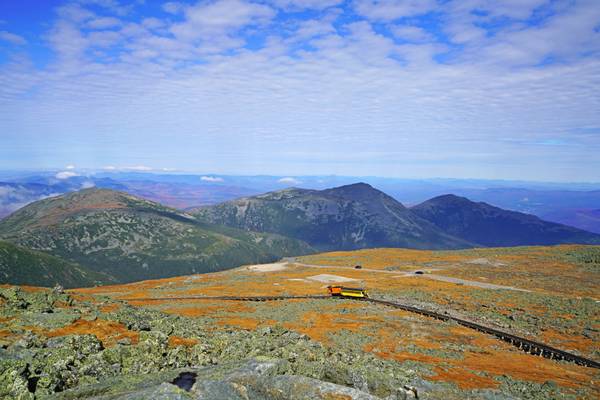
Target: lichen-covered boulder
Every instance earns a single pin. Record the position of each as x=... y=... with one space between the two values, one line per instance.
x=14 y=382
x=253 y=379
x=15 y=297
x=164 y=391
x=64 y=361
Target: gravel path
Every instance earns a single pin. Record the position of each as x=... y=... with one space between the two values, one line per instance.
x=404 y=274
x=467 y=282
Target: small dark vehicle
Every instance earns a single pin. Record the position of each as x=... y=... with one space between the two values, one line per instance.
x=419 y=272
x=358 y=267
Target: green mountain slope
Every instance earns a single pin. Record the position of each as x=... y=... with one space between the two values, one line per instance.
x=133 y=239
x=492 y=226
x=22 y=266
x=348 y=217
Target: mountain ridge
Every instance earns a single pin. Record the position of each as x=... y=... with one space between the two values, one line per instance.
x=492 y=226
x=124 y=238
x=132 y=239
x=347 y=217
x=22 y=266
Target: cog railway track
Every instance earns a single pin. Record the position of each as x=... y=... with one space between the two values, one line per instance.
x=526 y=345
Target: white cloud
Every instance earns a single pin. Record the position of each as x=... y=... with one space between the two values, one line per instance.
x=75 y=12
x=289 y=181
x=389 y=10
x=214 y=22
x=12 y=38
x=153 y=23
x=411 y=33
x=87 y=185
x=65 y=175
x=109 y=168
x=211 y=179
x=69 y=45
x=103 y=23
x=314 y=27
x=305 y=4
x=70 y=166
x=139 y=168
x=173 y=7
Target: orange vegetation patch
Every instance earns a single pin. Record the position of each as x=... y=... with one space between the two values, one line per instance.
x=175 y=341
x=108 y=332
x=24 y=288
x=5 y=333
x=528 y=368
x=460 y=335
x=318 y=325
x=380 y=258
x=82 y=297
x=387 y=345
x=463 y=379
x=133 y=290
x=576 y=342
x=493 y=359
x=203 y=310
x=106 y=308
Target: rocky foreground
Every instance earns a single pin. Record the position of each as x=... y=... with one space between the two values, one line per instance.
x=142 y=353
x=63 y=346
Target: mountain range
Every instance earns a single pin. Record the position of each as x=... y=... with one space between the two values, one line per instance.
x=348 y=217
x=358 y=216
x=96 y=236
x=131 y=239
x=564 y=203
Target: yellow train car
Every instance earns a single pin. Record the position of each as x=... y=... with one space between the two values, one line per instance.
x=343 y=291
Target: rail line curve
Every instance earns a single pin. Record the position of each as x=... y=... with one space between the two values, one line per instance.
x=526 y=345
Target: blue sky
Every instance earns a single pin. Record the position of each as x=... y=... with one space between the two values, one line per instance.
x=431 y=88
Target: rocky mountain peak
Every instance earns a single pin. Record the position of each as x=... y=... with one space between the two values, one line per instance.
x=361 y=192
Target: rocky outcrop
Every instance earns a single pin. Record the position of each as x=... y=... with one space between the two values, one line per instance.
x=43 y=358
x=257 y=379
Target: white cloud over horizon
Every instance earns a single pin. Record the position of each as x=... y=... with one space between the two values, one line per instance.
x=65 y=175
x=289 y=181
x=381 y=87
x=211 y=179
